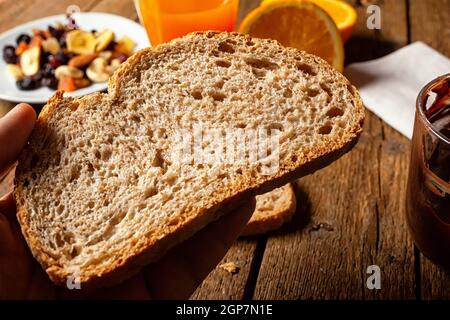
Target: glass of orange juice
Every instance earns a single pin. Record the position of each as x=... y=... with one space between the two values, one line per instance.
x=165 y=20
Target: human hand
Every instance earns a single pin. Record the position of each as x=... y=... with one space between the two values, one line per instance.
x=175 y=276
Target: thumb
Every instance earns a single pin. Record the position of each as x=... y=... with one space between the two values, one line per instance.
x=15 y=127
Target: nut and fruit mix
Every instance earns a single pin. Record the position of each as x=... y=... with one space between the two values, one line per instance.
x=65 y=57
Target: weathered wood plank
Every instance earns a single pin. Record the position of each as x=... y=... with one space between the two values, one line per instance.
x=430 y=23
x=394 y=250
x=120 y=7
x=368 y=44
x=355 y=206
x=13 y=13
x=221 y=284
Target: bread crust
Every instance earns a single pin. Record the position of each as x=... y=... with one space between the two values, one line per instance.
x=150 y=249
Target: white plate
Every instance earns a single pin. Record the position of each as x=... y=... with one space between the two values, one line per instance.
x=86 y=21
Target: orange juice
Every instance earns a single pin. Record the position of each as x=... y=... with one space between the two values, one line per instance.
x=168 y=19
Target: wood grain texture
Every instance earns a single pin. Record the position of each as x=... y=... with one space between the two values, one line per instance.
x=431 y=24
x=223 y=285
x=120 y=7
x=356 y=206
x=394 y=249
x=368 y=44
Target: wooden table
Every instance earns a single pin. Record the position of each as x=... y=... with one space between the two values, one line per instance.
x=351 y=214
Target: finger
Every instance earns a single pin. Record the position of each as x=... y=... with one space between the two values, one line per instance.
x=8 y=206
x=15 y=127
x=14 y=263
x=182 y=269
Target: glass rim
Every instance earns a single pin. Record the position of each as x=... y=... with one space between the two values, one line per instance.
x=420 y=108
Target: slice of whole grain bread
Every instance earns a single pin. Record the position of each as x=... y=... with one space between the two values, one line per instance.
x=98 y=189
x=273 y=209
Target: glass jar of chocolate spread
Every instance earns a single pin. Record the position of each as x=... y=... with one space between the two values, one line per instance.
x=428 y=195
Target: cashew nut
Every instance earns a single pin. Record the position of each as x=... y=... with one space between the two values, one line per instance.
x=105 y=55
x=113 y=66
x=67 y=71
x=97 y=70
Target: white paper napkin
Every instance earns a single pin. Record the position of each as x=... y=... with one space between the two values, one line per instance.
x=389 y=86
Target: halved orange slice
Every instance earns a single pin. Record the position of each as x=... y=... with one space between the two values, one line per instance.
x=343 y=14
x=299 y=24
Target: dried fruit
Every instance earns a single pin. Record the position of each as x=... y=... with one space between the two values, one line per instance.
x=103 y=39
x=27 y=83
x=67 y=84
x=51 y=45
x=82 y=83
x=30 y=61
x=96 y=71
x=62 y=57
x=65 y=57
x=36 y=41
x=21 y=48
x=23 y=38
x=81 y=60
x=105 y=55
x=44 y=34
x=53 y=61
x=9 y=54
x=126 y=45
x=66 y=71
x=15 y=71
x=48 y=70
x=122 y=57
x=80 y=42
x=49 y=82
x=56 y=32
x=113 y=66
x=62 y=40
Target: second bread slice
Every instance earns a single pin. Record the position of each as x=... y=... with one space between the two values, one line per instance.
x=272 y=210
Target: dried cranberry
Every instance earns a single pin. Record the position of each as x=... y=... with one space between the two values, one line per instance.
x=23 y=38
x=44 y=57
x=9 y=54
x=53 y=61
x=50 y=82
x=37 y=77
x=57 y=33
x=62 y=40
x=27 y=83
x=48 y=70
x=62 y=57
x=111 y=46
x=122 y=57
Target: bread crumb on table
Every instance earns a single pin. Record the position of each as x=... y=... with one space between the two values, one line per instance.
x=230 y=267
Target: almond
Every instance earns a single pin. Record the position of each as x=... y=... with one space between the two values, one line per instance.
x=82 y=83
x=81 y=60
